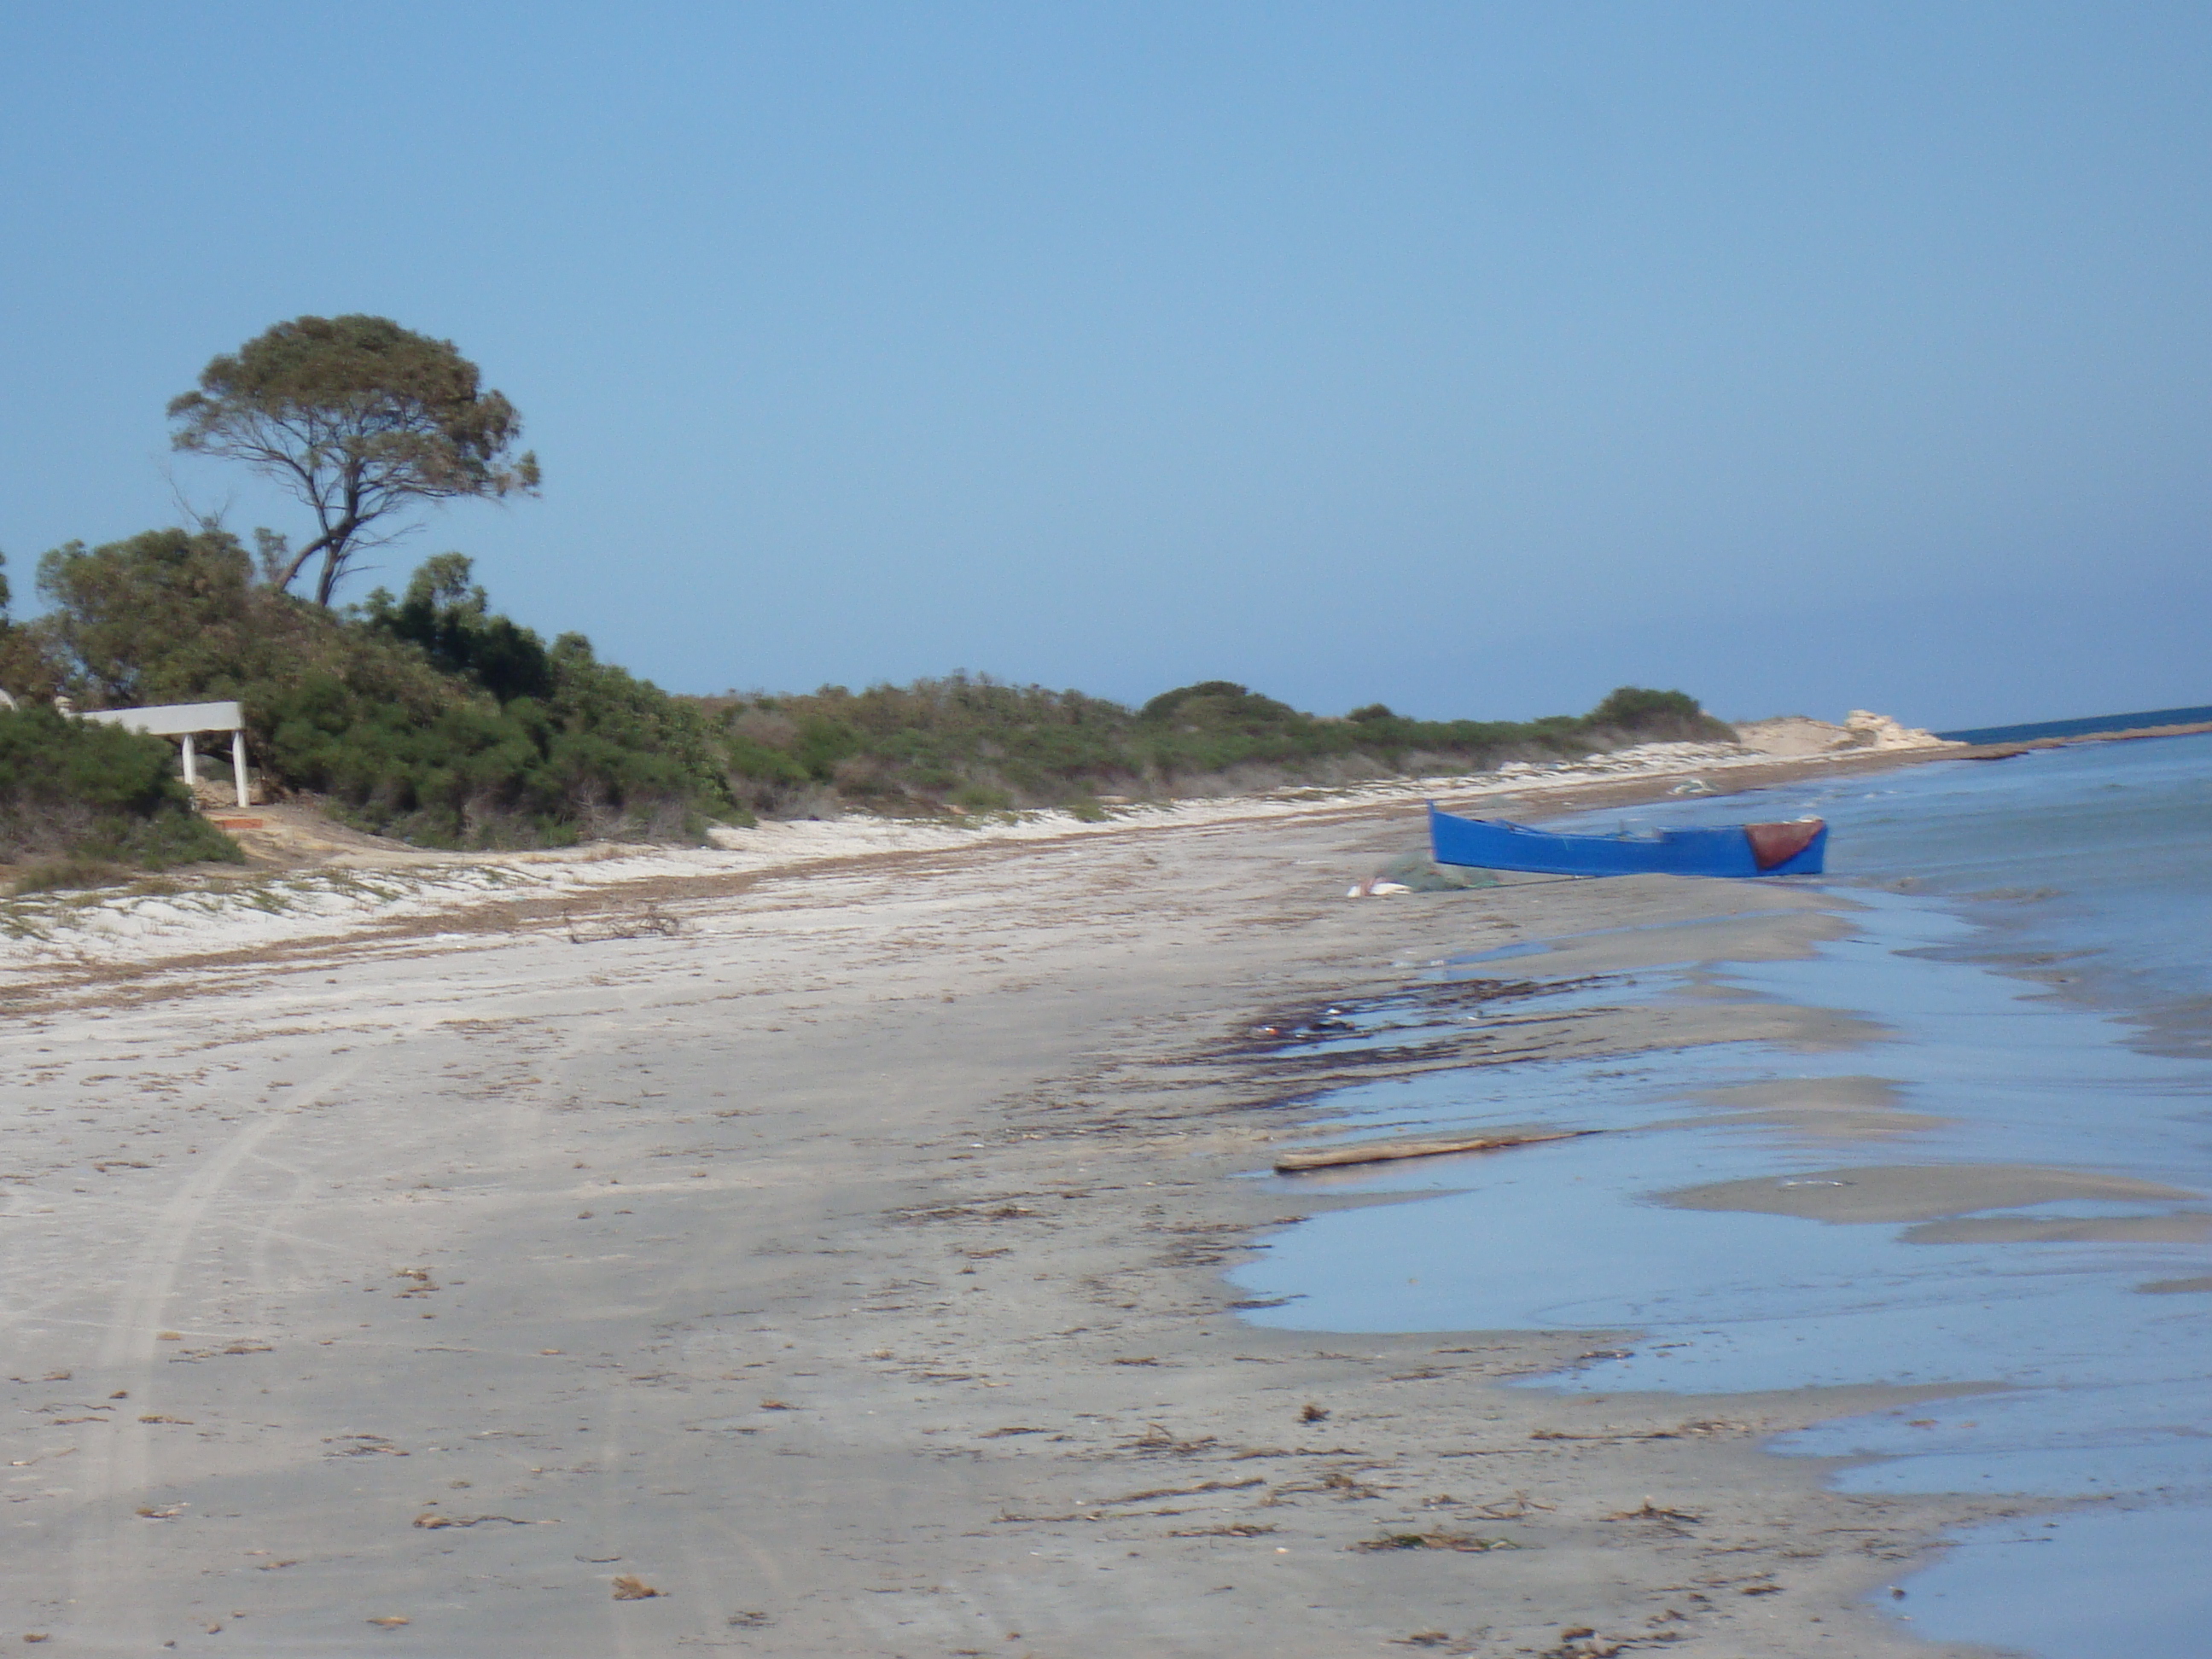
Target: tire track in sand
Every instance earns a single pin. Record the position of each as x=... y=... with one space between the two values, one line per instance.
x=111 y=1560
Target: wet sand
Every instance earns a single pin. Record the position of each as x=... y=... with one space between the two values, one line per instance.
x=1918 y=1191
x=829 y=1262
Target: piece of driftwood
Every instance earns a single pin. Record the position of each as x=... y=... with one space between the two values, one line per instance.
x=1384 y=1152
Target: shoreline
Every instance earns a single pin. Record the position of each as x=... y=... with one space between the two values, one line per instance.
x=294 y=844
x=316 y=886
x=313 y=885
x=838 y=1248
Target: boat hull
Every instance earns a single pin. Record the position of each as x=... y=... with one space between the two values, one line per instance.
x=1737 y=850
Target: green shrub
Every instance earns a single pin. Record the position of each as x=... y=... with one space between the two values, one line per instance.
x=431 y=717
x=1658 y=716
x=89 y=795
x=974 y=743
x=427 y=717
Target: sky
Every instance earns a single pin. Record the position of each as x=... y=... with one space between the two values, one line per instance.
x=1471 y=358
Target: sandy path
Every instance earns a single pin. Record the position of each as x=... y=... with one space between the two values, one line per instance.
x=843 y=1262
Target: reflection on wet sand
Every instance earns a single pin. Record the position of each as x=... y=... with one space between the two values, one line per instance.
x=2024 y=1051
x=1818 y=1109
x=1915 y=1192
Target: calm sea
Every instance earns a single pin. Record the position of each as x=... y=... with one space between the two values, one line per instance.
x=2088 y=727
x=2032 y=935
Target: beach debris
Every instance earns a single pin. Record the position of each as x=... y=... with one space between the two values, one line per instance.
x=1510 y=1509
x=38 y=1636
x=1467 y=1543
x=361 y=1445
x=1424 y=1639
x=1156 y=1439
x=1323 y=1024
x=753 y=1619
x=1384 y=1151
x=629 y=1587
x=390 y=1621
x=647 y=920
x=1417 y=872
x=1651 y=1511
x=430 y=1520
x=1377 y=887
x=1343 y=1485
x=1240 y=1529
x=1153 y=1494
x=1313 y=1414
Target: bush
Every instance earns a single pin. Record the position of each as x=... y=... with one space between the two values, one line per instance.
x=973 y=743
x=430 y=717
x=427 y=717
x=90 y=794
x=1658 y=716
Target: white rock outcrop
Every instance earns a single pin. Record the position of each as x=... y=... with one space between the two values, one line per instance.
x=1792 y=736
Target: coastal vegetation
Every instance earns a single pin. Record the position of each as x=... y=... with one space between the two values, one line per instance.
x=425 y=717
x=973 y=743
x=359 y=420
x=429 y=716
x=81 y=801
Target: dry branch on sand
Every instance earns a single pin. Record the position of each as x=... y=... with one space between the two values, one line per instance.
x=1467 y=1543
x=1384 y=1152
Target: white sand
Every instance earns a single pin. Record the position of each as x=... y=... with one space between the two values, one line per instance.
x=833 y=1246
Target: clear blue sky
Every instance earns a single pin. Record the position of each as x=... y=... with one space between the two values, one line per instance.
x=1474 y=358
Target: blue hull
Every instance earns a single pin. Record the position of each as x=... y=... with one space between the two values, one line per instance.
x=1764 y=849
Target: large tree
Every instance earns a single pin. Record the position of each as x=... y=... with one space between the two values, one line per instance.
x=361 y=419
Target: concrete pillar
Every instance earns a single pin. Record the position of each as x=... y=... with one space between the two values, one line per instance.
x=237 y=764
x=192 y=761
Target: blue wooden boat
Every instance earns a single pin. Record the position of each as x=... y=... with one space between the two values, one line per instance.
x=1796 y=849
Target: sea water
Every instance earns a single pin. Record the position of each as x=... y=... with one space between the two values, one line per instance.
x=2030 y=936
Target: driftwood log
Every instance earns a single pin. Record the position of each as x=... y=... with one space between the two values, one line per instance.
x=1385 y=1151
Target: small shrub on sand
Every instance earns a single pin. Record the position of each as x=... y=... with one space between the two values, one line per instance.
x=79 y=800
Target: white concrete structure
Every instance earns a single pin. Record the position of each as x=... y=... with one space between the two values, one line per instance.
x=186 y=720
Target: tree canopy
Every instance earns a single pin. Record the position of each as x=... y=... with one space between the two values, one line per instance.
x=359 y=419
x=449 y=617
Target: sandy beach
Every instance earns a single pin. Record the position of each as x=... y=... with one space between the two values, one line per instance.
x=825 y=1256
